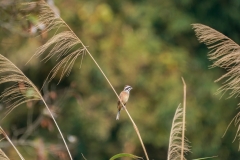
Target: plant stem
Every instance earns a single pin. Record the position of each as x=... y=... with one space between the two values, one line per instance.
x=58 y=129
x=41 y=98
x=134 y=125
x=5 y=135
x=184 y=113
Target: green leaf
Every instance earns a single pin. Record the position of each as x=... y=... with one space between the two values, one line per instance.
x=205 y=158
x=124 y=155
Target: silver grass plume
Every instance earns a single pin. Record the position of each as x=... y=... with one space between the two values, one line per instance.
x=175 y=140
x=21 y=91
x=65 y=45
x=225 y=53
x=178 y=144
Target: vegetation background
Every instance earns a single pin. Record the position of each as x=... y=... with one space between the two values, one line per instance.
x=146 y=44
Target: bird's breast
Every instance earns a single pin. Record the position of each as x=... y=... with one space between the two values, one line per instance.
x=125 y=97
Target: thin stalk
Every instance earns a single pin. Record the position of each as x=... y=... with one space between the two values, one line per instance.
x=5 y=135
x=134 y=125
x=205 y=158
x=184 y=113
x=41 y=97
x=58 y=129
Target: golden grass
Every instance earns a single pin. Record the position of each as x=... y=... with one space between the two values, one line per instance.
x=178 y=145
x=23 y=90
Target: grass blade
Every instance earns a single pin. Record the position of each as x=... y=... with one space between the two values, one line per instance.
x=120 y=155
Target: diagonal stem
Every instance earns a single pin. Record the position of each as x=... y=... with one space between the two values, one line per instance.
x=133 y=123
x=41 y=98
x=58 y=129
x=5 y=135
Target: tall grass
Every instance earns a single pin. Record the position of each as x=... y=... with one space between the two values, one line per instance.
x=17 y=93
x=61 y=45
x=65 y=46
x=178 y=145
x=225 y=53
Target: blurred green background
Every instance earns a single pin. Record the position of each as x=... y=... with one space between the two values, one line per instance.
x=149 y=45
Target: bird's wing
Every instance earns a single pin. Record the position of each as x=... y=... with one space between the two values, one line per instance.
x=120 y=96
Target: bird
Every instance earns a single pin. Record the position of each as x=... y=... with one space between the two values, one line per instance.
x=124 y=95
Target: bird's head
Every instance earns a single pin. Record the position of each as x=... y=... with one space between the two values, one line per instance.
x=127 y=88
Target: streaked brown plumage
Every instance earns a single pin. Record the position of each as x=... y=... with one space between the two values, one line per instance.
x=124 y=95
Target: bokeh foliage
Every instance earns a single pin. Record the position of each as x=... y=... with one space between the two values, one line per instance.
x=146 y=44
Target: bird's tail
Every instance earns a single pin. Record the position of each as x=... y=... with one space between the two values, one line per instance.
x=118 y=115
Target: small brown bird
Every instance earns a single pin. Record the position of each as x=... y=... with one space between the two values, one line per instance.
x=124 y=95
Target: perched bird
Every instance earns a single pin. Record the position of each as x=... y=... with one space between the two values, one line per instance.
x=124 y=95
